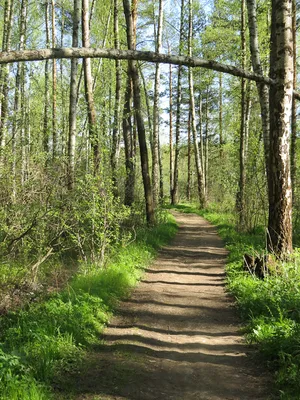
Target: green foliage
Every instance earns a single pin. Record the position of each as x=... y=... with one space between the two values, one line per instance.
x=49 y=337
x=270 y=307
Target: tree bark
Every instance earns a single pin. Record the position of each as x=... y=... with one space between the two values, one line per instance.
x=257 y=68
x=46 y=90
x=73 y=100
x=54 y=85
x=139 y=119
x=171 y=131
x=127 y=113
x=155 y=140
x=8 y=57
x=241 y=198
x=18 y=125
x=4 y=71
x=117 y=108
x=281 y=94
x=199 y=170
x=221 y=138
x=189 y=156
x=174 y=194
x=294 y=106
x=88 y=84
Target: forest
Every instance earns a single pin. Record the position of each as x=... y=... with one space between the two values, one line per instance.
x=114 y=113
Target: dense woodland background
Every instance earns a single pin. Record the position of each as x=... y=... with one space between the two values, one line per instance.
x=92 y=149
x=72 y=131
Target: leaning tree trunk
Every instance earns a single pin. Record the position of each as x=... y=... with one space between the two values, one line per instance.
x=281 y=94
x=155 y=139
x=73 y=99
x=139 y=119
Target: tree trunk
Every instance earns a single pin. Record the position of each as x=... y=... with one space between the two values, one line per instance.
x=199 y=171
x=19 y=107
x=46 y=90
x=257 y=68
x=155 y=139
x=4 y=71
x=54 y=86
x=88 y=84
x=221 y=139
x=205 y=160
x=116 y=124
x=281 y=94
x=241 y=199
x=189 y=155
x=171 y=131
x=294 y=107
x=139 y=119
x=201 y=144
x=73 y=99
x=174 y=194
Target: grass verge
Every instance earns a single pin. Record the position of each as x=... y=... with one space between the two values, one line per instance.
x=270 y=307
x=46 y=338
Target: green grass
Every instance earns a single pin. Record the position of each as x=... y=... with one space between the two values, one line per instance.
x=269 y=307
x=49 y=337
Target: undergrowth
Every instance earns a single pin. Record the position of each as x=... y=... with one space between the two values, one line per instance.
x=47 y=338
x=270 y=307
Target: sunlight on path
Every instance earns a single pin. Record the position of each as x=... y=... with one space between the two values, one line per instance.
x=177 y=337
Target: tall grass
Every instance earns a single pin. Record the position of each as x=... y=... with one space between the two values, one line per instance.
x=47 y=338
x=269 y=307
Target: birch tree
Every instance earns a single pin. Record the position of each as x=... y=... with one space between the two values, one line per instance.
x=174 y=193
x=73 y=99
x=155 y=139
x=199 y=170
x=88 y=85
x=281 y=95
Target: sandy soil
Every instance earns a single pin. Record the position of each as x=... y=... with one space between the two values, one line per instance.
x=177 y=337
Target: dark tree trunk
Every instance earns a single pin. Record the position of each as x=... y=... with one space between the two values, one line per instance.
x=133 y=70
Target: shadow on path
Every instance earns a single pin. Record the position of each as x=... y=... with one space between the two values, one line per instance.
x=177 y=337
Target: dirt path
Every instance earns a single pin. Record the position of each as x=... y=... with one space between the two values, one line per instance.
x=178 y=336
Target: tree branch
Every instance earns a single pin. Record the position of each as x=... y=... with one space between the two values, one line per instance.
x=116 y=54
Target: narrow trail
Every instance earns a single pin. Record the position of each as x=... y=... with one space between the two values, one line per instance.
x=177 y=337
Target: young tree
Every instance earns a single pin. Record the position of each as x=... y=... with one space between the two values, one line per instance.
x=88 y=85
x=155 y=139
x=199 y=170
x=54 y=85
x=174 y=193
x=73 y=99
x=115 y=132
